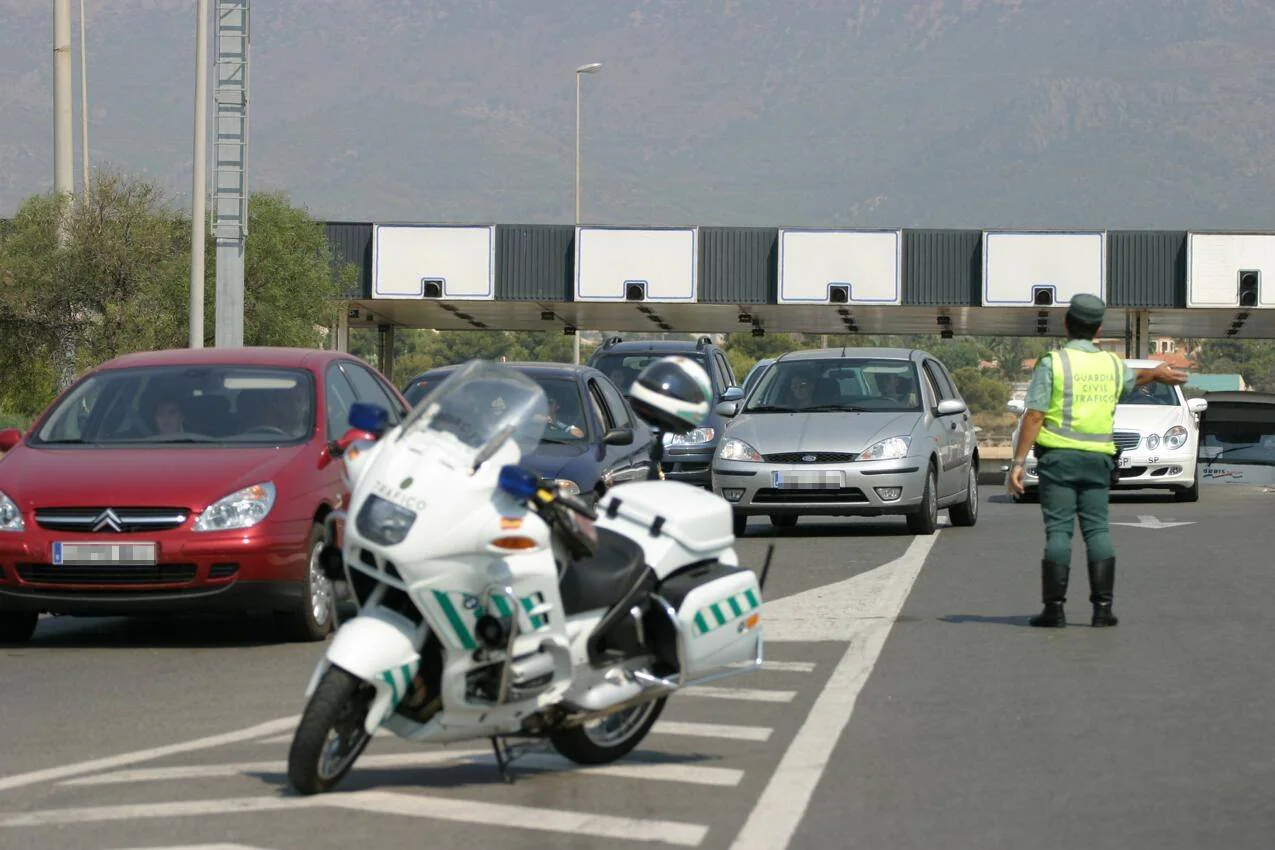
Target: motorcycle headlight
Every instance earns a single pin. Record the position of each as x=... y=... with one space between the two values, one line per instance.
x=1175 y=437
x=892 y=448
x=384 y=522
x=241 y=509
x=10 y=515
x=697 y=437
x=733 y=449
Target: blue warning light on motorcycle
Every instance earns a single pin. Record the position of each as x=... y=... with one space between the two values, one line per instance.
x=518 y=482
x=368 y=417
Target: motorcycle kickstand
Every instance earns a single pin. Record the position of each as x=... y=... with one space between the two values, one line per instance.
x=503 y=760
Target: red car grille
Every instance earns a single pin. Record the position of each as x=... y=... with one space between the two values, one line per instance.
x=110 y=520
x=107 y=573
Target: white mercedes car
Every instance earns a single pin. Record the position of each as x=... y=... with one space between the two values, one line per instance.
x=1157 y=430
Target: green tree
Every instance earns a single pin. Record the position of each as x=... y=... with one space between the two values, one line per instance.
x=982 y=392
x=121 y=283
x=102 y=293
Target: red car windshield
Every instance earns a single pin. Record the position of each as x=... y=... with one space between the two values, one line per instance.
x=231 y=405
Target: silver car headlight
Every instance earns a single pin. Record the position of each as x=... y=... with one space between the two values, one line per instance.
x=10 y=515
x=697 y=437
x=735 y=449
x=384 y=522
x=241 y=509
x=891 y=448
x=1175 y=437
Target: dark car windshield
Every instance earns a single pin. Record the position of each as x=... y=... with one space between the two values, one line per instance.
x=623 y=369
x=1154 y=393
x=836 y=384
x=167 y=405
x=568 y=422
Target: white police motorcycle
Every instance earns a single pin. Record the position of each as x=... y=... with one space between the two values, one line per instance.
x=493 y=607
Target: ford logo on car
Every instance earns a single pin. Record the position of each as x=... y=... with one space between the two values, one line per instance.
x=808 y=458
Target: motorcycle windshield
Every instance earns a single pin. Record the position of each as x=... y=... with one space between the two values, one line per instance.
x=478 y=407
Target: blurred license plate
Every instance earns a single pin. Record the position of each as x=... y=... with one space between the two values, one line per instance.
x=1125 y=462
x=103 y=553
x=807 y=479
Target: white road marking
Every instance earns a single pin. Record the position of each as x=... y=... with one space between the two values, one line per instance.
x=712 y=730
x=389 y=803
x=201 y=847
x=835 y=612
x=524 y=817
x=780 y=666
x=783 y=804
x=655 y=771
x=78 y=769
x=749 y=694
x=137 y=811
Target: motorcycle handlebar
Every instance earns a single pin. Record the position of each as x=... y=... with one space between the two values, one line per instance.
x=578 y=506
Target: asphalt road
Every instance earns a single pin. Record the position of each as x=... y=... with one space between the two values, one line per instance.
x=905 y=705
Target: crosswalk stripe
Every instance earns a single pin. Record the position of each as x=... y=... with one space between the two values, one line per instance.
x=712 y=730
x=658 y=771
x=389 y=803
x=780 y=666
x=749 y=694
x=509 y=816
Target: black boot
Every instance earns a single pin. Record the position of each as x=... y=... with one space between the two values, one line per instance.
x=1102 y=580
x=1053 y=582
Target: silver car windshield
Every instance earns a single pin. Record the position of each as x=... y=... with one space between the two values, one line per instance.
x=837 y=384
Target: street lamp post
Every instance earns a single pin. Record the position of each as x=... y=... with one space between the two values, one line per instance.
x=591 y=68
x=199 y=172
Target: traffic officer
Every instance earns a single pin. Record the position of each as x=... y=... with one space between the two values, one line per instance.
x=1069 y=417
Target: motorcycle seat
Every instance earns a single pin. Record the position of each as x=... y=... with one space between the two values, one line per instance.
x=603 y=579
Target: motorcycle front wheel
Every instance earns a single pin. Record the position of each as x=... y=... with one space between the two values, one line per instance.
x=331 y=735
x=610 y=738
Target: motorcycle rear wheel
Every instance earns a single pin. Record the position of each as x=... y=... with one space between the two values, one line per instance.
x=331 y=735
x=612 y=738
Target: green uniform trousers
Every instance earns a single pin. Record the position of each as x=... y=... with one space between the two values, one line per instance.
x=1074 y=482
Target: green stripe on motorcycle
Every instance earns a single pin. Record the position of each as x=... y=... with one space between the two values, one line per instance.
x=457 y=624
x=701 y=623
x=388 y=676
x=752 y=598
x=537 y=620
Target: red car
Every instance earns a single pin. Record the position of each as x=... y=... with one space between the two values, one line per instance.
x=180 y=481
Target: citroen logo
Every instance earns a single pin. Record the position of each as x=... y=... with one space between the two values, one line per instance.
x=808 y=458
x=107 y=519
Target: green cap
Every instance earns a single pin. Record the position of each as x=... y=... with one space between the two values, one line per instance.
x=1087 y=308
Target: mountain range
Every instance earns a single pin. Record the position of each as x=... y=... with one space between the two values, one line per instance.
x=865 y=113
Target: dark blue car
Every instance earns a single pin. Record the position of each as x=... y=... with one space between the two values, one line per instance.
x=593 y=440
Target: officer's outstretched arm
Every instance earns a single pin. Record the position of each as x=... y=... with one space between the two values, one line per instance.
x=1164 y=373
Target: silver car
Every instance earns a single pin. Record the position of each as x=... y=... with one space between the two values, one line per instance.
x=850 y=432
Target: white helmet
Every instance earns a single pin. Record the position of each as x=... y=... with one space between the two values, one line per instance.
x=674 y=393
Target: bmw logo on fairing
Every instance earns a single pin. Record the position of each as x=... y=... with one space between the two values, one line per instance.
x=808 y=458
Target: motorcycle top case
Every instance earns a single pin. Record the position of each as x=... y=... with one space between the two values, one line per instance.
x=718 y=610
x=675 y=523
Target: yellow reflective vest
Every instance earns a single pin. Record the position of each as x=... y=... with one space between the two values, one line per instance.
x=1085 y=388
